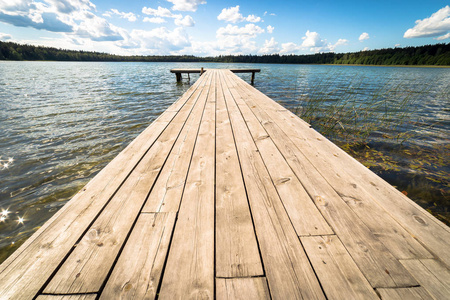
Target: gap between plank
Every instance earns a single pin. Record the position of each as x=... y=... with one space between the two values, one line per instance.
x=145 y=201
x=312 y=267
x=103 y=208
x=158 y=290
x=143 y=205
x=238 y=110
x=222 y=85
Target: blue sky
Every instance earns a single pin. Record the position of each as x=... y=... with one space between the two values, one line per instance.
x=208 y=27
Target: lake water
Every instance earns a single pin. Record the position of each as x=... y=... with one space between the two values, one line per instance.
x=62 y=122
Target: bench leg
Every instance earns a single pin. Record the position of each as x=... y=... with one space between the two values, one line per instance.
x=178 y=76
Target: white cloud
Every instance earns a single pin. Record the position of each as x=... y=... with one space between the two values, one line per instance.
x=160 y=12
x=270 y=29
x=161 y=41
x=397 y=45
x=5 y=36
x=312 y=39
x=270 y=47
x=233 y=15
x=82 y=29
x=129 y=16
x=156 y=20
x=187 y=21
x=443 y=37
x=186 y=5
x=67 y=6
x=290 y=48
x=313 y=42
x=366 y=49
x=250 y=30
x=234 y=45
x=363 y=36
x=14 y=5
x=38 y=15
x=438 y=25
x=253 y=19
x=72 y=18
x=341 y=42
x=233 y=39
x=332 y=47
x=98 y=29
x=271 y=14
x=200 y=49
x=230 y=39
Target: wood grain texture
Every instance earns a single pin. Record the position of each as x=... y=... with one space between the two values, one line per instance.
x=237 y=253
x=45 y=250
x=412 y=293
x=376 y=262
x=288 y=271
x=168 y=189
x=67 y=297
x=433 y=275
x=139 y=268
x=242 y=289
x=85 y=270
x=418 y=222
x=302 y=211
x=399 y=242
x=338 y=273
x=189 y=271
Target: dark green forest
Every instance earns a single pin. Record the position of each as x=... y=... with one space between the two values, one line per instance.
x=438 y=54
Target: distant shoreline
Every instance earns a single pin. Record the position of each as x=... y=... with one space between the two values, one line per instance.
x=396 y=66
x=210 y=62
x=422 y=56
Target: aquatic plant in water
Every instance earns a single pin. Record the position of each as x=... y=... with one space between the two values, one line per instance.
x=380 y=128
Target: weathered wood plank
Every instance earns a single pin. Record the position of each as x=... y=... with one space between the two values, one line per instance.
x=85 y=270
x=302 y=211
x=242 y=288
x=288 y=271
x=393 y=236
x=139 y=268
x=338 y=273
x=432 y=275
x=189 y=271
x=237 y=253
x=380 y=267
x=418 y=222
x=45 y=250
x=166 y=194
x=412 y=293
x=67 y=297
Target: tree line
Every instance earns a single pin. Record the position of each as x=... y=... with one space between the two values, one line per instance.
x=438 y=54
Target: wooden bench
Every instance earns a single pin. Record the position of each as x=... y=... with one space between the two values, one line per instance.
x=178 y=72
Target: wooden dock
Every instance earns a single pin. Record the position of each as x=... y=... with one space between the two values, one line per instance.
x=178 y=72
x=228 y=195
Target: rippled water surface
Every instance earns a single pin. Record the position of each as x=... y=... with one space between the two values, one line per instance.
x=62 y=122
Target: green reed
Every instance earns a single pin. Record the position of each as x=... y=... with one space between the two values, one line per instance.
x=380 y=129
